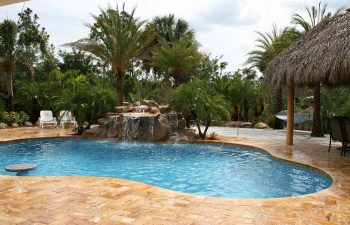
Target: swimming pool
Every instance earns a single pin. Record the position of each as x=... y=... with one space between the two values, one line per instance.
x=208 y=170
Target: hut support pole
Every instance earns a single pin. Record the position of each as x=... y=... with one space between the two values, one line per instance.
x=290 y=121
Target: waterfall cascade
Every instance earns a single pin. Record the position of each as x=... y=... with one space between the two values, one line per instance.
x=174 y=136
x=138 y=128
x=141 y=121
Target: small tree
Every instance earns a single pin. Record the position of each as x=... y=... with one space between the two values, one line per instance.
x=204 y=103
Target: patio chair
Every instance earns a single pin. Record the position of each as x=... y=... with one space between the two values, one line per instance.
x=46 y=117
x=67 y=118
x=346 y=137
x=336 y=132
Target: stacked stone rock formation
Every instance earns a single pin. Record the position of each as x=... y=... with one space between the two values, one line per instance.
x=148 y=120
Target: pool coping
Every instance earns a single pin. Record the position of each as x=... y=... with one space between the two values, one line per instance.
x=329 y=206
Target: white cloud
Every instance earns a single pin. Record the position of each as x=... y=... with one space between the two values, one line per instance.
x=227 y=13
x=224 y=27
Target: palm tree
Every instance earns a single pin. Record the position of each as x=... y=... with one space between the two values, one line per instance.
x=269 y=45
x=316 y=14
x=8 y=39
x=265 y=52
x=171 y=29
x=118 y=39
x=176 y=60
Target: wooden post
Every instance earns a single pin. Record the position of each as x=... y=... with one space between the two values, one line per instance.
x=290 y=121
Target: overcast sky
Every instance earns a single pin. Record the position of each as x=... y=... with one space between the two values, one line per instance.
x=223 y=27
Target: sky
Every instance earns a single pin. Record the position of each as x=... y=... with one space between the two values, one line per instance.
x=223 y=27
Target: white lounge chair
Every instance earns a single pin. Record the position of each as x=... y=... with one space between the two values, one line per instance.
x=46 y=117
x=66 y=117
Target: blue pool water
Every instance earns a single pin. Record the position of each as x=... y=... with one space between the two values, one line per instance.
x=209 y=170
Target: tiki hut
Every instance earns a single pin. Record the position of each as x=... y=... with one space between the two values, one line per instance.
x=8 y=2
x=321 y=56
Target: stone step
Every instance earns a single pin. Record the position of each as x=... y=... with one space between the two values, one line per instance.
x=20 y=167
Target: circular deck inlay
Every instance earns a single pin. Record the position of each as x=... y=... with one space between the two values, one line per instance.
x=20 y=167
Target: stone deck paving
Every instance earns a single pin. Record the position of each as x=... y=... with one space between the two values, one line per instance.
x=93 y=200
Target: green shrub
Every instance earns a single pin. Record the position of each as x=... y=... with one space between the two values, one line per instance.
x=13 y=117
x=6 y=118
x=23 y=117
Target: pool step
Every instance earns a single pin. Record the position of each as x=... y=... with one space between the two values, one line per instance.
x=20 y=167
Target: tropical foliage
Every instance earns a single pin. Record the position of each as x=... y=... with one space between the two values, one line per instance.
x=269 y=45
x=117 y=39
x=177 y=60
x=125 y=58
x=202 y=102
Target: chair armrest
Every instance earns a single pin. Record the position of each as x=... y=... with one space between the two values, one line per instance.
x=54 y=118
x=73 y=118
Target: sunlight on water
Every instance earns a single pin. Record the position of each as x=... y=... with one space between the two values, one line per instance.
x=209 y=170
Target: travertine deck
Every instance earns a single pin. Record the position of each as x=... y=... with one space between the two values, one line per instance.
x=92 y=200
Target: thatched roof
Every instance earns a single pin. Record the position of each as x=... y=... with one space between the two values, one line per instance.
x=8 y=2
x=321 y=55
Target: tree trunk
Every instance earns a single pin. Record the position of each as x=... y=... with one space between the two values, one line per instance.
x=31 y=71
x=9 y=91
x=199 y=128
x=166 y=88
x=177 y=81
x=120 y=86
x=246 y=114
x=206 y=128
x=236 y=113
x=316 y=122
x=278 y=124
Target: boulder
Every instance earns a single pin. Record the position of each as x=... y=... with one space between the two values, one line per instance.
x=164 y=109
x=188 y=135
x=239 y=123
x=246 y=124
x=261 y=125
x=95 y=132
x=153 y=110
x=128 y=108
x=28 y=124
x=15 y=125
x=181 y=125
x=3 y=125
x=161 y=128
x=137 y=104
x=119 y=109
x=149 y=103
x=105 y=122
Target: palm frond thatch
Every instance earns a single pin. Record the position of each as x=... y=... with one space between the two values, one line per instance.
x=322 y=55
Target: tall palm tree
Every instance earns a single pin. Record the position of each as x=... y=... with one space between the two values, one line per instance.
x=269 y=45
x=168 y=30
x=265 y=51
x=118 y=39
x=8 y=39
x=316 y=14
x=171 y=29
x=176 y=60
